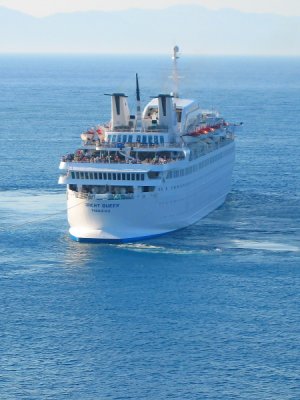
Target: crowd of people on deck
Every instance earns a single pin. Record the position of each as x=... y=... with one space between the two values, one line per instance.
x=81 y=156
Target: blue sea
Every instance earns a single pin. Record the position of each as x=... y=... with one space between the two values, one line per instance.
x=208 y=312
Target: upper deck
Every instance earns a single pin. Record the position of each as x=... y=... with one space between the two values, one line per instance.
x=170 y=130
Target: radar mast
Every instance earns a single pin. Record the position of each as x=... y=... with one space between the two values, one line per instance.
x=175 y=76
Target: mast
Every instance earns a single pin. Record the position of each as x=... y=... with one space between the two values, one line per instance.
x=138 y=103
x=175 y=76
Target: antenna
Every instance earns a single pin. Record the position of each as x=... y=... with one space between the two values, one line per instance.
x=175 y=76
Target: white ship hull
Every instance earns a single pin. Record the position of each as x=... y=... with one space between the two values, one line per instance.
x=175 y=204
x=144 y=175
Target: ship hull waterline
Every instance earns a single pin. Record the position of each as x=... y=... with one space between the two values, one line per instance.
x=152 y=214
x=100 y=236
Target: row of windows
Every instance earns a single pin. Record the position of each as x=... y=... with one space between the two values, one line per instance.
x=189 y=170
x=116 y=176
x=145 y=139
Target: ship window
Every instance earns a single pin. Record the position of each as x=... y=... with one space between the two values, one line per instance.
x=128 y=177
x=114 y=138
x=72 y=175
x=81 y=175
x=150 y=139
x=104 y=175
x=118 y=177
x=153 y=174
x=109 y=138
x=148 y=188
x=119 y=138
x=124 y=139
x=114 y=177
x=137 y=177
x=95 y=175
x=91 y=175
x=108 y=175
x=77 y=175
x=156 y=139
x=100 y=175
x=129 y=138
x=138 y=138
x=123 y=177
x=86 y=175
x=142 y=177
x=178 y=112
x=73 y=188
x=144 y=140
x=162 y=139
x=133 y=177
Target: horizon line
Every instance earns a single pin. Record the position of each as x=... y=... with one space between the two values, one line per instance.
x=12 y=53
x=52 y=14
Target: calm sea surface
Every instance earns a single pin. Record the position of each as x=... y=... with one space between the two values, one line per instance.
x=209 y=312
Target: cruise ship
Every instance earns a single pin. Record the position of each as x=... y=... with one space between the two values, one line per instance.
x=144 y=175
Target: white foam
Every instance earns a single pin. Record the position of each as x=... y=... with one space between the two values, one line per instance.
x=23 y=208
x=138 y=246
x=263 y=245
x=29 y=202
x=147 y=248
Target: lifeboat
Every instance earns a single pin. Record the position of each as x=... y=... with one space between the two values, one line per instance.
x=199 y=131
x=88 y=135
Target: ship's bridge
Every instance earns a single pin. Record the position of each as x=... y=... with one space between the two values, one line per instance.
x=144 y=138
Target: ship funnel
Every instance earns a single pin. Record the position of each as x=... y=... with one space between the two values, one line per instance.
x=120 y=114
x=166 y=111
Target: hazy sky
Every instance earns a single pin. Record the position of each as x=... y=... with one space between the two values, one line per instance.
x=47 y=7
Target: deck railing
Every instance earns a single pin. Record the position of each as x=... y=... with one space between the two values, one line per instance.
x=121 y=145
x=71 y=158
x=105 y=196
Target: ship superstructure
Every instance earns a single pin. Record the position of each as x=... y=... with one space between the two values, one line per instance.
x=147 y=174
